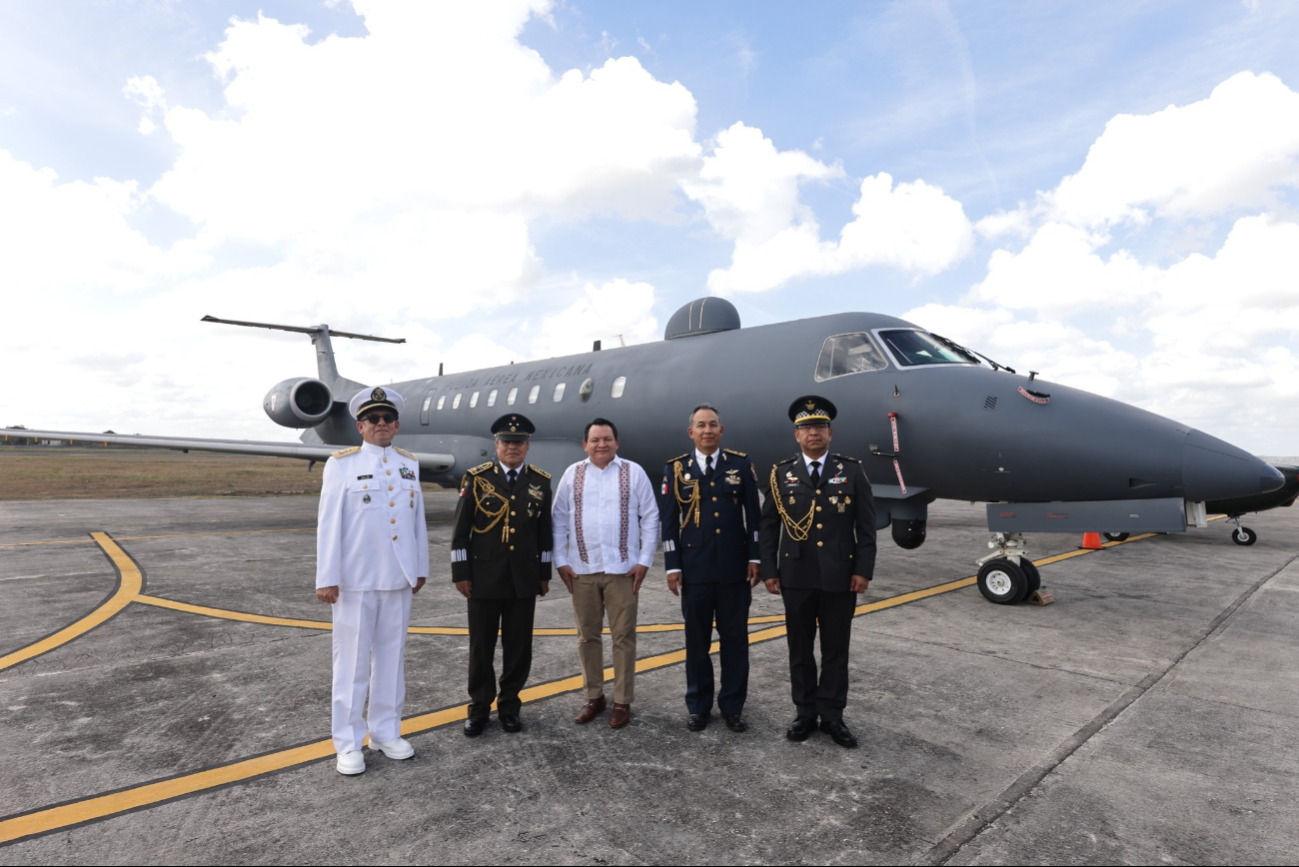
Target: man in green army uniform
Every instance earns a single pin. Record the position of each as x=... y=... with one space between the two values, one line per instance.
x=817 y=543
x=501 y=562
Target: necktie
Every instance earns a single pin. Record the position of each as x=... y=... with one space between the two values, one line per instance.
x=708 y=471
x=511 y=477
x=816 y=474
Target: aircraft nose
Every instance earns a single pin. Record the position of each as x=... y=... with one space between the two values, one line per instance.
x=1216 y=470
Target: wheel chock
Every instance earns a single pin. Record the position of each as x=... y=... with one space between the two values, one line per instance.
x=1040 y=596
x=1092 y=541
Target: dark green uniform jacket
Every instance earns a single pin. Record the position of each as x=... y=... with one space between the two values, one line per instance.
x=502 y=541
x=833 y=532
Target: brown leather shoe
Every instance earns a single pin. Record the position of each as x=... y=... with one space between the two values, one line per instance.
x=621 y=715
x=592 y=707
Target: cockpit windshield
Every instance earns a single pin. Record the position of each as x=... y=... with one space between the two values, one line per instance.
x=848 y=353
x=912 y=348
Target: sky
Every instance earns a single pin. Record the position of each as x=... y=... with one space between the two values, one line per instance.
x=1107 y=193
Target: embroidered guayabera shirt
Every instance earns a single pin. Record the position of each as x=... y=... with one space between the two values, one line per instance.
x=605 y=520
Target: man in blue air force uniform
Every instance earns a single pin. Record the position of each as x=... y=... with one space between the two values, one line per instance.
x=710 y=549
x=371 y=557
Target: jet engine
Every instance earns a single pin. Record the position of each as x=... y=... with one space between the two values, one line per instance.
x=908 y=534
x=300 y=402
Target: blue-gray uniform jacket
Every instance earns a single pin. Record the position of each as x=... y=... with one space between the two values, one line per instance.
x=710 y=526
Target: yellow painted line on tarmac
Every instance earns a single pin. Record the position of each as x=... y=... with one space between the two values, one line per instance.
x=267 y=620
x=159 y=536
x=130 y=581
x=97 y=807
x=243 y=616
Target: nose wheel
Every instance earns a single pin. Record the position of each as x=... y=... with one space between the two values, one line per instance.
x=1243 y=535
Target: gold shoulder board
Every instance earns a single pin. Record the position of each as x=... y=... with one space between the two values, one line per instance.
x=734 y=452
x=788 y=460
x=845 y=458
x=678 y=458
x=404 y=452
x=342 y=453
x=480 y=468
x=539 y=471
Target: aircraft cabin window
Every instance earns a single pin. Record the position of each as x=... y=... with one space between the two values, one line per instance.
x=491 y=398
x=533 y=392
x=844 y=354
x=618 y=385
x=514 y=392
x=473 y=400
x=911 y=348
x=455 y=401
x=559 y=392
x=442 y=401
x=584 y=392
x=423 y=410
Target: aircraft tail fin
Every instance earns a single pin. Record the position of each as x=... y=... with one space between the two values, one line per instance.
x=320 y=338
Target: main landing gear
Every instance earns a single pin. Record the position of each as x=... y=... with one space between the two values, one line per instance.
x=1007 y=576
x=1242 y=535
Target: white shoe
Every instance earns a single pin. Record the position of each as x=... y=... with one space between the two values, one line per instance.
x=350 y=763
x=397 y=748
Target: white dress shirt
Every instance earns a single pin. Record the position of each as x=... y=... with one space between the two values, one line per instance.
x=371 y=533
x=807 y=459
x=605 y=520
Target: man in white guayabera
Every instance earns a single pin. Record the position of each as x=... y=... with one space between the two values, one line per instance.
x=606 y=525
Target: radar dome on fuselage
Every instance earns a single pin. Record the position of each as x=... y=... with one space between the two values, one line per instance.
x=703 y=316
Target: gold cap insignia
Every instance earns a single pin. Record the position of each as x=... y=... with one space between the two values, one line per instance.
x=378 y=394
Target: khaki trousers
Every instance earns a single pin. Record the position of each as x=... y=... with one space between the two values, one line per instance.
x=593 y=595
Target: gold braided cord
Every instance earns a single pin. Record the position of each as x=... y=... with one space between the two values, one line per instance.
x=482 y=489
x=690 y=504
x=797 y=530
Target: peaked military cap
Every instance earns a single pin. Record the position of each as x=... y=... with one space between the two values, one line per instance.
x=513 y=428
x=811 y=409
x=376 y=398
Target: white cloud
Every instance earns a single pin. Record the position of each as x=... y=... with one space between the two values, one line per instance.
x=750 y=193
x=1225 y=152
x=614 y=309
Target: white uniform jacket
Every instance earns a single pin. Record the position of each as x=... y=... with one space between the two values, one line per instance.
x=371 y=533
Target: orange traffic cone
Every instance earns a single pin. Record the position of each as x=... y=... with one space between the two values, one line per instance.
x=1092 y=540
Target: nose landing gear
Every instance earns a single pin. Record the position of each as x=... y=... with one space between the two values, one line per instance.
x=1242 y=535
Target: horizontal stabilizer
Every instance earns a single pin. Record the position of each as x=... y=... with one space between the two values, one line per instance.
x=303 y=329
x=430 y=463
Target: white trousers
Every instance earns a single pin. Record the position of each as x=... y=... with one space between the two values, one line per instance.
x=369 y=652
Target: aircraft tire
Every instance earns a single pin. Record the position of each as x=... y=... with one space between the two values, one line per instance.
x=1002 y=582
x=1244 y=536
x=1116 y=537
x=1032 y=577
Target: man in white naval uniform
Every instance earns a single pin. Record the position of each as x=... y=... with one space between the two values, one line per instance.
x=371 y=557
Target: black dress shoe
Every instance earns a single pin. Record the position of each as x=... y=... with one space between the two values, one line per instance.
x=736 y=723
x=697 y=722
x=837 y=730
x=801 y=728
x=510 y=722
x=474 y=726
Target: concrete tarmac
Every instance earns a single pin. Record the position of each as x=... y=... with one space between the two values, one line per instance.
x=1149 y=715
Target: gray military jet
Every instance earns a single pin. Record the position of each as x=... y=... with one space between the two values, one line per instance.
x=927 y=417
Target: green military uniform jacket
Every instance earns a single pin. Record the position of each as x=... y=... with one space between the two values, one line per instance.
x=818 y=537
x=502 y=541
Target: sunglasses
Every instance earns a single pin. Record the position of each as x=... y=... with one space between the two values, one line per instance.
x=376 y=418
